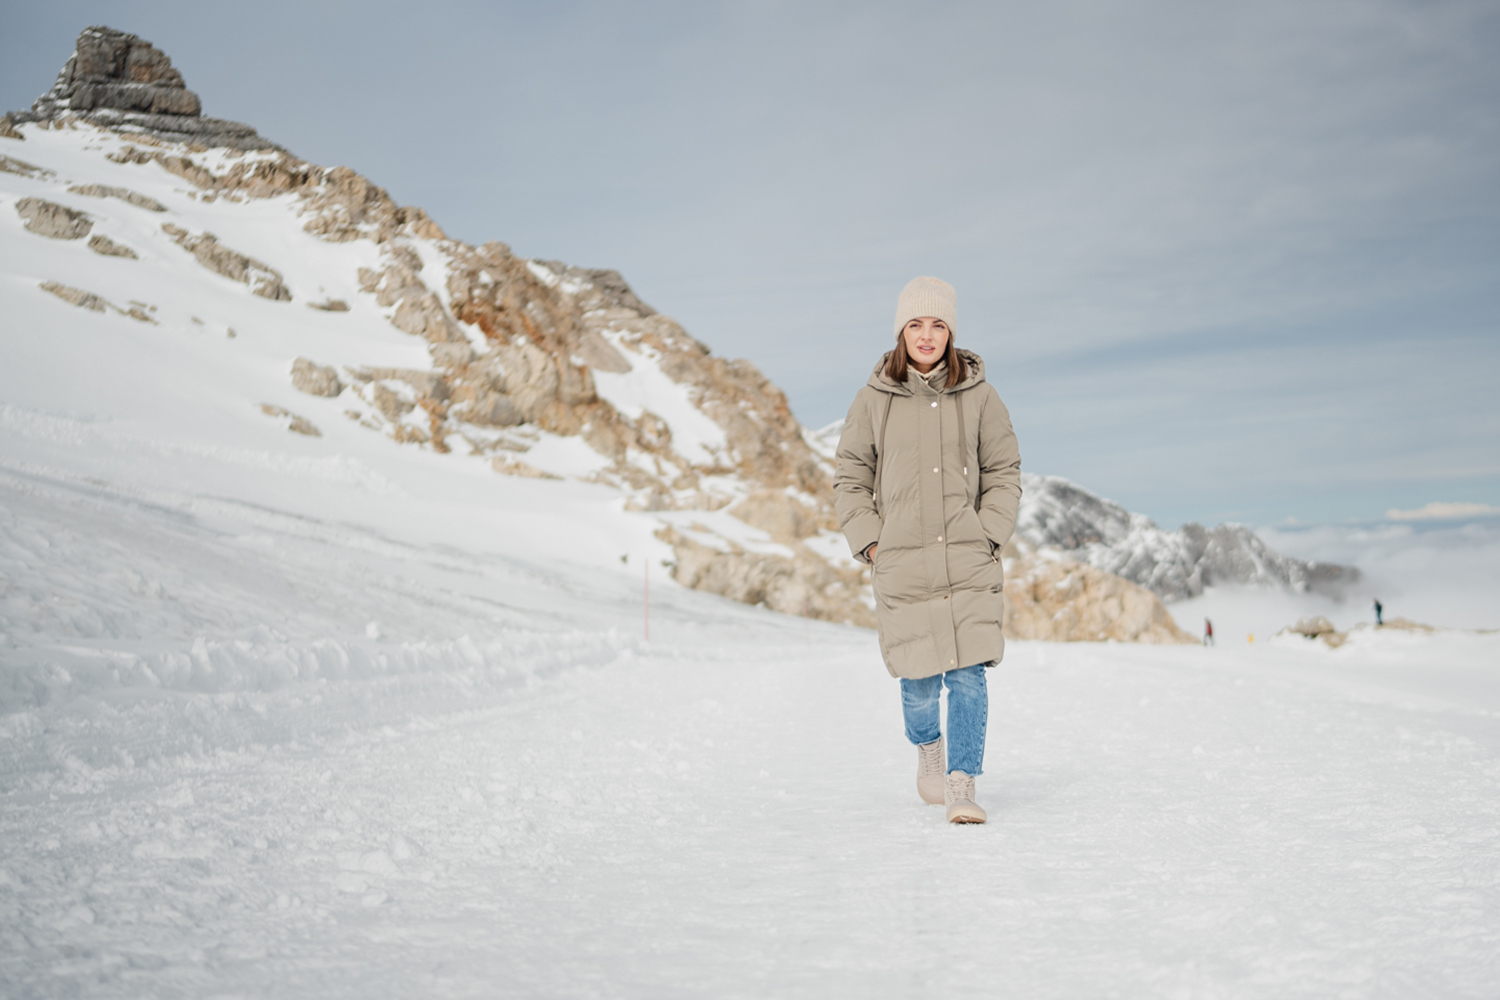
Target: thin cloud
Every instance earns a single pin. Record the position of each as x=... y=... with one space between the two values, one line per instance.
x=1440 y=511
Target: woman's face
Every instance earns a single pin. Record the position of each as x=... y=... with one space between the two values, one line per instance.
x=926 y=340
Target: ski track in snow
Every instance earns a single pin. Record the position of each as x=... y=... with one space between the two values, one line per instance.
x=526 y=800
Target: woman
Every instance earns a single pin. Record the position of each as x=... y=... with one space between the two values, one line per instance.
x=928 y=484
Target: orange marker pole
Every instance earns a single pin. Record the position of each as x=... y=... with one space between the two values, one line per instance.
x=648 y=600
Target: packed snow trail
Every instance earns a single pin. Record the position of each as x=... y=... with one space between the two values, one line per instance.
x=729 y=811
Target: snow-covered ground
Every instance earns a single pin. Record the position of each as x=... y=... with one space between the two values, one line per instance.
x=249 y=750
x=316 y=717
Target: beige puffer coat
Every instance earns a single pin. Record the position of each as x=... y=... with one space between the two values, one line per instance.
x=940 y=512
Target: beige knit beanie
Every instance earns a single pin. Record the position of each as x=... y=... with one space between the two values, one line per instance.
x=927 y=297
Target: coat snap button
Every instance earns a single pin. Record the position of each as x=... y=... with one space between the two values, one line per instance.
x=934 y=469
x=934 y=403
x=940 y=538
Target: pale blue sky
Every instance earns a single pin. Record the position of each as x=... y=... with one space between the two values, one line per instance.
x=1224 y=261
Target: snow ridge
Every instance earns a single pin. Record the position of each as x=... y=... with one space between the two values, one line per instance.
x=1058 y=514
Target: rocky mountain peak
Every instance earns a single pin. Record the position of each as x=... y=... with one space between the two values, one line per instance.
x=121 y=81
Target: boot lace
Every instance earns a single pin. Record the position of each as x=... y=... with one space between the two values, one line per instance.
x=960 y=787
x=930 y=759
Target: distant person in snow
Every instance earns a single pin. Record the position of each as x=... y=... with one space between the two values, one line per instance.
x=1379 y=610
x=928 y=484
x=1208 y=632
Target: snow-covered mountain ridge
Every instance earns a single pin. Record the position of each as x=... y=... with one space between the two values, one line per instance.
x=1061 y=515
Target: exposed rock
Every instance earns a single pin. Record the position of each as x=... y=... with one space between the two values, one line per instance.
x=101 y=244
x=426 y=317
x=47 y=218
x=315 y=379
x=599 y=354
x=8 y=129
x=505 y=465
x=797 y=584
x=390 y=402
x=264 y=280
x=295 y=424
x=453 y=358
x=95 y=303
x=76 y=296
x=344 y=205
x=781 y=516
x=123 y=194
x=426 y=384
x=1313 y=627
x=332 y=305
x=11 y=165
x=1062 y=600
x=492 y=409
x=1317 y=627
x=117 y=80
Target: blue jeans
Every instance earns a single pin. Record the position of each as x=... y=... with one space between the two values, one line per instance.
x=968 y=714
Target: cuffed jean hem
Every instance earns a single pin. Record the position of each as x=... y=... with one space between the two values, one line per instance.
x=968 y=714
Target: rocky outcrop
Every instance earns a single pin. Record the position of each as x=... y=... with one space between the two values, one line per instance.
x=1055 y=598
x=120 y=81
x=21 y=168
x=1317 y=627
x=263 y=279
x=1060 y=515
x=294 y=423
x=315 y=379
x=76 y=296
x=58 y=222
x=795 y=582
x=123 y=194
x=96 y=303
x=101 y=244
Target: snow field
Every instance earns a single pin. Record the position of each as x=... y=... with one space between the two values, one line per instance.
x=286 y=717
x=726 y=811
x=404 y=740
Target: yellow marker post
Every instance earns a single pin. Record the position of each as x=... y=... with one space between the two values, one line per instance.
x=1250 y=638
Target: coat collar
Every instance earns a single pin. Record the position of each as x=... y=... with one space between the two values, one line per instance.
x=915 y=382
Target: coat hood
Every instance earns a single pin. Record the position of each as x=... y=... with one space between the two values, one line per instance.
x=879 y=379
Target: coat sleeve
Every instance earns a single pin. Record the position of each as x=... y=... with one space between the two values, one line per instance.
x=854 y=484
x=999 y=471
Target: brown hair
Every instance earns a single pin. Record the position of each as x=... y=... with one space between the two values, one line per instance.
x=895 y=366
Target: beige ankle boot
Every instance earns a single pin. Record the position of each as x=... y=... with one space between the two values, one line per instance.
x=931 y=760
x=960 y=799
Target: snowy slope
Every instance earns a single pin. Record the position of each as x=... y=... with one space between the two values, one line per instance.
x=343 y=329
